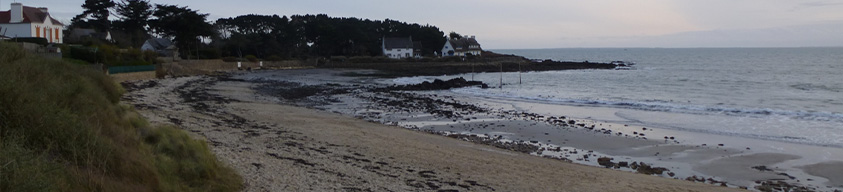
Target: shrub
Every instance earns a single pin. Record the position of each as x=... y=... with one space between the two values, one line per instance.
x=251 y=58
x=209 y=53
x=274 y=58
x=10 y=53
x=230 y=59
x=36 y=40
x=338 y=58
x=150 y=56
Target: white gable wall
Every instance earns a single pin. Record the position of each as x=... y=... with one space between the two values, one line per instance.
x=17 y=30
x=53 y=33
x=398 y=53
x=447 y=48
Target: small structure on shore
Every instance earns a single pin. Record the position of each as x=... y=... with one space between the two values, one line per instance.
x=398 y=47
x=463 y=46
x=80 y=34
x=164 y=47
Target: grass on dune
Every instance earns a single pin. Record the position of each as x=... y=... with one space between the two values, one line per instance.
x=62 y=128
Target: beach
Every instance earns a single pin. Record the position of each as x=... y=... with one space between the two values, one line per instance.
x=321 y=129
x=279 y=147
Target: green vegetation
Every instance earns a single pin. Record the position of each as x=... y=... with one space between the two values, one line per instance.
x=267 y=37
x=109 y=55
x=303 y=36
x=62 y=129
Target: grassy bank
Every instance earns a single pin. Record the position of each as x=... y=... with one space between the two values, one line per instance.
x=62 y=128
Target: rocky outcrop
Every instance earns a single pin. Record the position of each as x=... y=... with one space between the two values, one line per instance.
x=439 y=84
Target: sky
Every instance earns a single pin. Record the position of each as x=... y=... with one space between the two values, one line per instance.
x=524 y=24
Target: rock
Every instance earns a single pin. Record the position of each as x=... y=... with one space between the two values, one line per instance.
x=762 y=168
x=605 y=162
x=649 y=170
x=439 y=84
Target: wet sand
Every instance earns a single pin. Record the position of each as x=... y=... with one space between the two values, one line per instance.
x=832 y=170
x=280 y=147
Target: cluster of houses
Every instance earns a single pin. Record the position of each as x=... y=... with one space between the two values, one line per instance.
x=35 y=22
x=24 y=21
x=398 y=47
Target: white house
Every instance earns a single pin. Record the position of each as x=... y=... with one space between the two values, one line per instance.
x=461 y=47
x=23 y=21
x=397 y=48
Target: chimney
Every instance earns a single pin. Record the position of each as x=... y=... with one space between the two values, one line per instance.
x=16 y=13
x=43 y=9
x=472 y=36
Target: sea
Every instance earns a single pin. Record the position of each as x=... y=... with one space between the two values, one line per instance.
x=792 y=95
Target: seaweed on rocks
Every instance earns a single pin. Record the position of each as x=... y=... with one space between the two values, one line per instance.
x=770 y=186
x=140 y=85
x=439 y=84
x=522 y=147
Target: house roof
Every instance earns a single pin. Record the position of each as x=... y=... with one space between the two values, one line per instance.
x=417 y=45
x=30 y=15
x=398 y=43
x=464 y=43
x=158 y=43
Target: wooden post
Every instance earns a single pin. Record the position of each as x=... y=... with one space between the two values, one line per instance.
x=501 y=80
x=472 y=71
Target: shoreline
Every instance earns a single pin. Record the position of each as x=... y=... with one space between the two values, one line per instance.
x=686 y=156
x=282 y=147
x=584 y=142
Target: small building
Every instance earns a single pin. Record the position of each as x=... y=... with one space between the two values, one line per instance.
x=461 y=47
x=417 y=49
x=24 y=21
x=398 y=47
x=164 y=47
x=79 y=34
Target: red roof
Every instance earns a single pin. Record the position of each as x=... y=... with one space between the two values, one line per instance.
x=30 y=15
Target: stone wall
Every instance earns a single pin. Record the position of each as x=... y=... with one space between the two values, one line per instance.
x=202 y=67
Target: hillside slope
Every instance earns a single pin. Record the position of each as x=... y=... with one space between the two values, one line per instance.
x=62 y=128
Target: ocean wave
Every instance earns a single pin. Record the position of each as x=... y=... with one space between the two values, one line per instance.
x=412 y=80
x=663 y=106
x=813 y=87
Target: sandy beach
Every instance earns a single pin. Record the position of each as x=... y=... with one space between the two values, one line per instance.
x=318 y=130
x=286 y=148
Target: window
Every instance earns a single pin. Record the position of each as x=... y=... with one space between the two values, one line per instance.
x=406 y=55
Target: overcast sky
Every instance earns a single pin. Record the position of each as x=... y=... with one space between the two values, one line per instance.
x=500 y=24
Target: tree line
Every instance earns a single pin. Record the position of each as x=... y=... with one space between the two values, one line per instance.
x=262 y=36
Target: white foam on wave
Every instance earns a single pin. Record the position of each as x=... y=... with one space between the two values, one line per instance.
x=664 y=106
x=769 y=124
x=412 y=80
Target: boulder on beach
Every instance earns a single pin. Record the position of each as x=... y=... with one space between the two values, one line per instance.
x=439 y=84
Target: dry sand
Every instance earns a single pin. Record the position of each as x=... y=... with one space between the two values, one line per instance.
x=284 y=148
x=123 y=77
